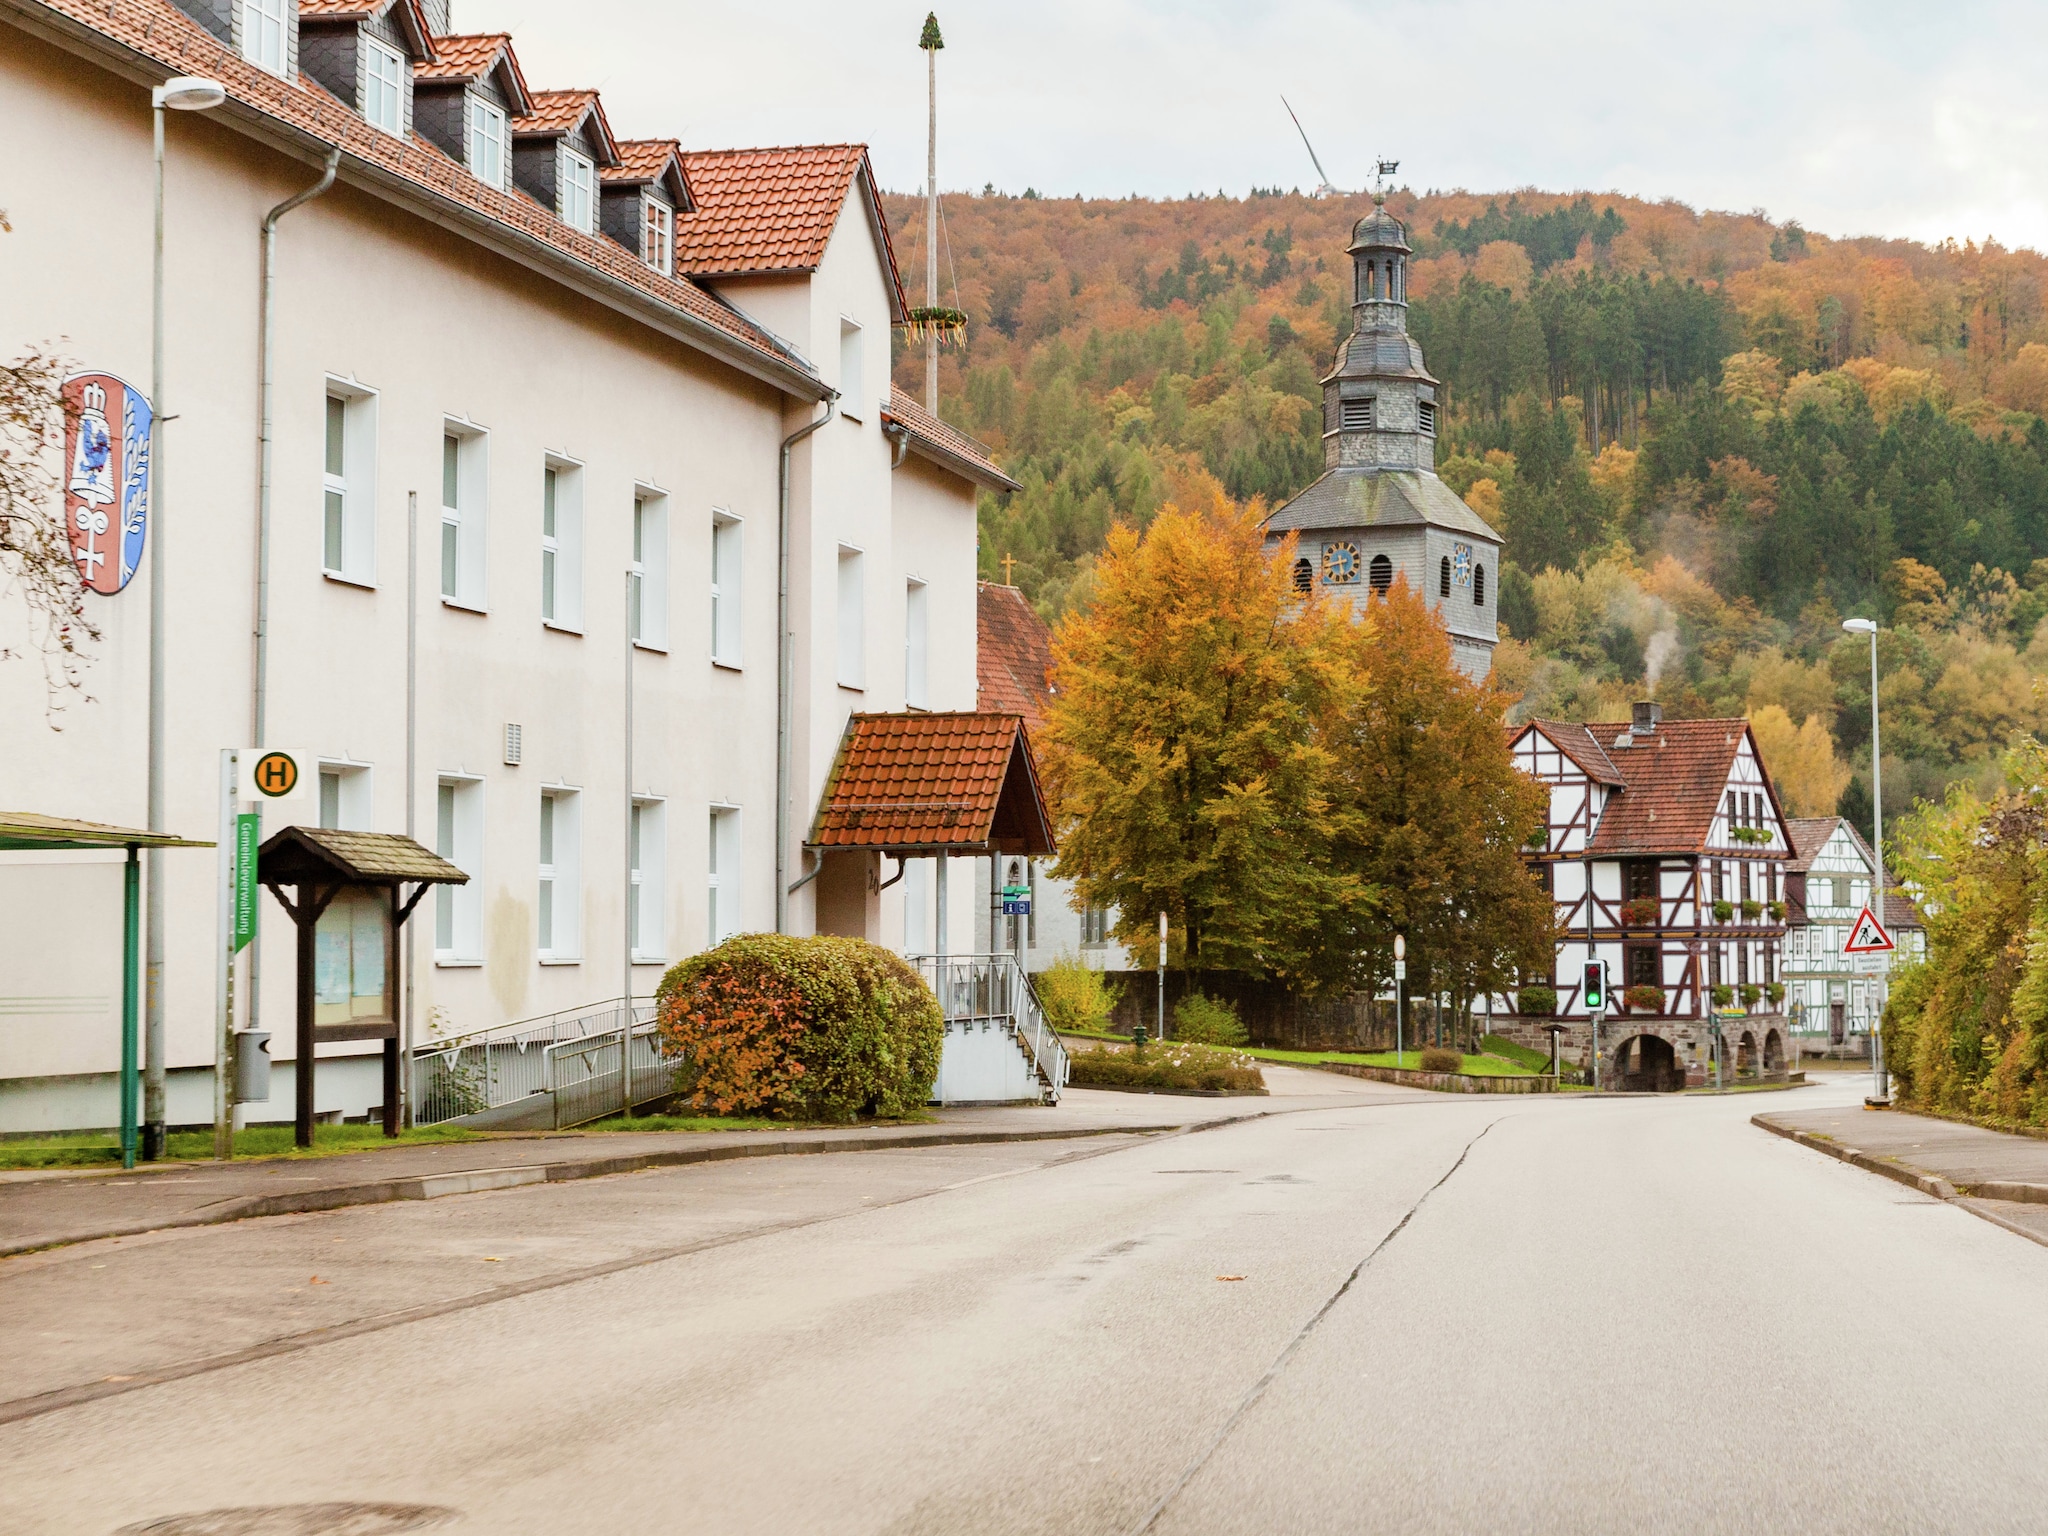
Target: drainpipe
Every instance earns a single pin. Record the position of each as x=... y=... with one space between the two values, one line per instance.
x=900 y=436
x=265 y=368
x=785 y=663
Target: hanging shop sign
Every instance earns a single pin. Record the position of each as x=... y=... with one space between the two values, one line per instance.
x=106 y=478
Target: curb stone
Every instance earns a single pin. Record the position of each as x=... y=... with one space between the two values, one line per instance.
x=1968 y=1196
x=434 y=1186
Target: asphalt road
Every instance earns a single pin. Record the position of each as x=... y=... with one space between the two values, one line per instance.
x=1420 y=1313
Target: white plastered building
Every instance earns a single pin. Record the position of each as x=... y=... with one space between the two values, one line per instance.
x=533 y=393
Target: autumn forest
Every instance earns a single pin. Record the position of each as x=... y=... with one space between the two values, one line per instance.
x=1706 y=438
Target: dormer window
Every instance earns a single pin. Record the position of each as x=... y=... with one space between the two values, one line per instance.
x=578 y=198
x=1356 y=415
x=263 y=24
x=383 y=87
x=657 y=234
x=487 y=156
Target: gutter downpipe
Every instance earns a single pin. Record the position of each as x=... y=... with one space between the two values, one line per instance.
x=785 y=662
x=267 y=342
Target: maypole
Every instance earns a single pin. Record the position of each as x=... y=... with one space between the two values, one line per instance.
x=938 y=327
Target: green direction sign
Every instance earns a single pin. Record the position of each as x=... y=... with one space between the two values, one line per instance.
x=246 y=835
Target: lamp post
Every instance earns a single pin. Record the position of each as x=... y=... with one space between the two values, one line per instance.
x=180 y=93
x=1400 y=980
x=1880 y=1086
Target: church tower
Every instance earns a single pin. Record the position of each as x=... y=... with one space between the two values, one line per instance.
x=1379 y=511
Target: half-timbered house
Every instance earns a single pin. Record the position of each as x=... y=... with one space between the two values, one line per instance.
x=1665 y=851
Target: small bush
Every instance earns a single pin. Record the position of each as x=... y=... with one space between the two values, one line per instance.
x=801 y=1028
x=1437 y=1058
x=1724 y=911
x=1173 y=1064
x=1775 y=991
x=1203 y=1020
x=1752 y=910
x=1750 y=993
x=1074 y=997
x=1536 y=1002
x=1724 y=995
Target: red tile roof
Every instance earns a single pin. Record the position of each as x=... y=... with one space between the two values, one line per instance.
x=161 y=37
x=1012 y=654
x=411 y=19
x=945 y=445
x=1809 y=835
x=1576 y=742
x=646 y=160
x=763 y=211
x=556 y=112
x=1672 y=783
x=955 y=780
x=468 y=56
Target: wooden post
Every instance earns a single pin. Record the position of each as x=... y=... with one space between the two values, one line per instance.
x=302 y=1070
x=391 y=1080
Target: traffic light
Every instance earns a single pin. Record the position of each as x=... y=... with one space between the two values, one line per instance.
x=1596 y=986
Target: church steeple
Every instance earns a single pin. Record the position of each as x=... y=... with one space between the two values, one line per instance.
x=1379 y=402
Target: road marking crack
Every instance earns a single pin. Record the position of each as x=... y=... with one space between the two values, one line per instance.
x=1272 y=1372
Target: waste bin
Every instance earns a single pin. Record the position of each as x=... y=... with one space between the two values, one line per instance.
x=252 y=1066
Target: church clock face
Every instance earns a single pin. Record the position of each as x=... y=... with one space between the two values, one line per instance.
x=1340 y=564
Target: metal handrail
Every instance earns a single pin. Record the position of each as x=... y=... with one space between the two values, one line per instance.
x=996 y=988
x=538 y=1022
x=483 y=1069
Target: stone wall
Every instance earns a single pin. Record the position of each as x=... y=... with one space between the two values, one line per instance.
x=1277 y=1016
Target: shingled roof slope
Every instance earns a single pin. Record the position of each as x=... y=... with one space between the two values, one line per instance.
x=943 y=444
x=1672 y=783
x=1577 y=742
x=1809 y=835
x=952 y=779
x=1012 y=655
x=762 y=212
x=158 y=36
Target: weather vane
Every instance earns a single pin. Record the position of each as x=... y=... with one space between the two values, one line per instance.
x=1386 y=168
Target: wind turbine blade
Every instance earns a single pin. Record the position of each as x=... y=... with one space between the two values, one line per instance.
x=1321 y=174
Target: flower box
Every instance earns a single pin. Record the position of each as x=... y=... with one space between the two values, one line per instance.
x=1643 y=912
x=1644 y=999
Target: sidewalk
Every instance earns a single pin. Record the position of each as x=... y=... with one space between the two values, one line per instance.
x=1999 y=1176
x=47 y=1208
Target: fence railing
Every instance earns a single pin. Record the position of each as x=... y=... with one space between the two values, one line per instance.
x=996 y=989
x=490 y=1068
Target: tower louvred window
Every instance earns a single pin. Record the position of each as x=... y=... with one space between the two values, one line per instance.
x=1382 y=573
x=1356 y=415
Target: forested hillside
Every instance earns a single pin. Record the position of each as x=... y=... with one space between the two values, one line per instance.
x=1705 y=437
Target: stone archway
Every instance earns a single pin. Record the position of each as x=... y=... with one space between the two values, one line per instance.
x=1745 y=1053
x=1647 y=1064
x=1774 y=1051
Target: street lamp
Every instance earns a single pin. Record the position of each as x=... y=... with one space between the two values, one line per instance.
x=1880 y=1095
x=1400 y=976
x=180 y=93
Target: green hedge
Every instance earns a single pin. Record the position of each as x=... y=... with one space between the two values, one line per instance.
x=801 y=1029
x=1171 y=1065
x=1201 y=1019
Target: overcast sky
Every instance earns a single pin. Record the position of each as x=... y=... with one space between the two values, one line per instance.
x=1874 y=117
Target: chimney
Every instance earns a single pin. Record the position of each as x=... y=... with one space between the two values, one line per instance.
x=1646 y=717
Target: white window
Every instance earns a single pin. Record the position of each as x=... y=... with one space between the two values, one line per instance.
x=263 y=24
x=561 y=544
x=725 y=589
x=464 y=484
x=383 y=86
x=723 y=862
x=916 y=645
x=577 y=203
x=560 y=907
x=852 y=397
x=657 y=234
x=487 y=143
x=345 y=796
x=459 y=838
x=348 y=548
x=1094 y=927
x=852 y=621
x=647 y=846
x=647 y=600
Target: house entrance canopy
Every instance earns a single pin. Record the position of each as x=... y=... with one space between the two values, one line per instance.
x=954 y=782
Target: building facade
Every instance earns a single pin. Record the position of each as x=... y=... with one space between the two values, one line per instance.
x=1666 y=854
x=500 y=550
x=1835 y=998
x=1378 y=512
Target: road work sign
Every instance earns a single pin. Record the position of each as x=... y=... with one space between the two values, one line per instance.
x=1868 y=937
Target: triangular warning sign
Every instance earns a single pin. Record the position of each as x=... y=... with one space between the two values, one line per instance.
x=1868 y=936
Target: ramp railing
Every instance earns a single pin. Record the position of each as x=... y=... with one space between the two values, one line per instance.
x=488 y=1068
x=997 y=990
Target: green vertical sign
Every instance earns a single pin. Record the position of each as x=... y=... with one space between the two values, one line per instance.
x=246 y=834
